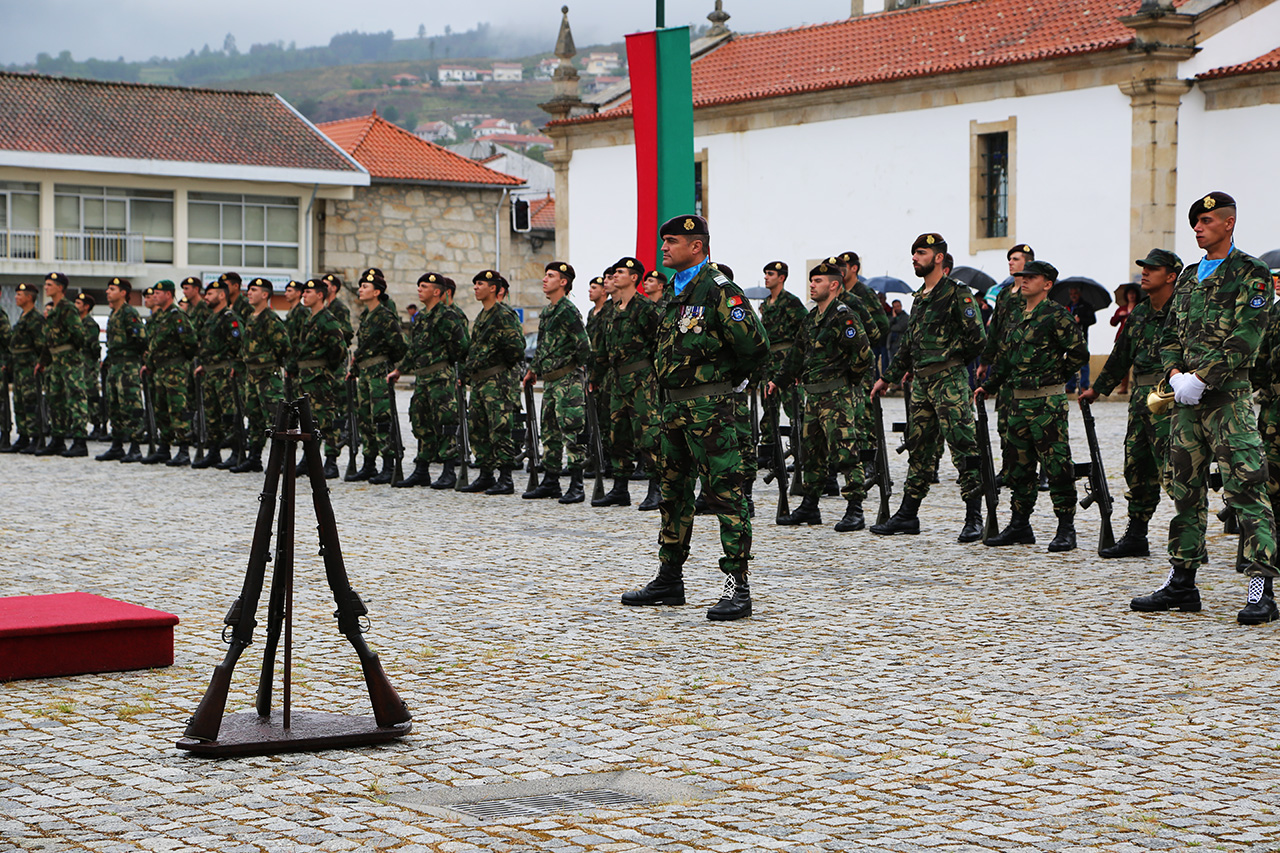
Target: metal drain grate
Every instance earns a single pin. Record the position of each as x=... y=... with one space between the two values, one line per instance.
x=546 y=804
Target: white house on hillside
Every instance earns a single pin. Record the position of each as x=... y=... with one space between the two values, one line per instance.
x=508 y=72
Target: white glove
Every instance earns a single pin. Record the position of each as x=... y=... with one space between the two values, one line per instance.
x=1187 y=389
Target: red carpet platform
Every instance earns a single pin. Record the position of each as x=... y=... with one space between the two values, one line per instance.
x=74 y=633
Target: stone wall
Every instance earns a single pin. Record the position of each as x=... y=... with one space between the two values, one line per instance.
x=406 y=230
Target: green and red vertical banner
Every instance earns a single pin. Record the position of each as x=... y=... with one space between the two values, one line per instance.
x=662 y=114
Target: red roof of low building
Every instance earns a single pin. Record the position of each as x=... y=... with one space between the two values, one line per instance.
x=542 y=214
x=922 y=41
x=61 y=115
x=392 y=153
x=1266 y=62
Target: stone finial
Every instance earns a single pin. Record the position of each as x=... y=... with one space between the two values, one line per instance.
x=718 y=17
x=565 y=99
x=564 y=43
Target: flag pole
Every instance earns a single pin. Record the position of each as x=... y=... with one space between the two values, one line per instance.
x=662 y=13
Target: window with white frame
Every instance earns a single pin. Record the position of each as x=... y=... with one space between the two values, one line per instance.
x=113 y=224
x=242 y=230
x=19 y=219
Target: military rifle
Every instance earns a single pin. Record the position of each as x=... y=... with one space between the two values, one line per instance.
x=281 y=576
x=903 y=426
x=597 y=445
x=397 y=439
x=464 y=436
x=1097 y=491
x=42 y=412
x=779 y=470
x=755 y=418
x=532 y=440
x=881 y=460
x=102 y=396
x=6 y=413
x=353 y=426
x=797 y=443
x=149 y=410
x=242 y=432
x=987 y=471
x=201 y=425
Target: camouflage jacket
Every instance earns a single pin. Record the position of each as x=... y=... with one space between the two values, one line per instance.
x=496 y=340
x=199 y=314
x=1009 y=303
x=92 y=349
x=170 y=335
x=782 y=318
x=1044 y=347
x=320 y=338
x=945 y=324
x=831 y=345
x=1138 y=347
x=709 y=333
x=597 y=322
x=1263 y=374
x=874 y=320
x=293 y=321
x=6 y=332
x=437 y=334
x=126 y=335
x=221 y=338
x=380 y=335
x=562 y=338
x=1215 y=326
x=342 y=314
x=27 y=339
x=628 y=336
x=242 y=308
x=266 y=342
x=62 y=327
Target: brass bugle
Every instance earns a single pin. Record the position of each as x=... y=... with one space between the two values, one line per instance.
x=1160 y=398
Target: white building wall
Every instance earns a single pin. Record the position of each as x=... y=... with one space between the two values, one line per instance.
x=1257 y=34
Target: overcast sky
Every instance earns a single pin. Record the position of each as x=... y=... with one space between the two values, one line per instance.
x=141 y=29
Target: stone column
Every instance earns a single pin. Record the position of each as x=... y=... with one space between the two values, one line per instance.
x=1153 y=188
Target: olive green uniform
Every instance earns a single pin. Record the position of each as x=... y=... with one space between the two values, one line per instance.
x=379 y=349
x=438 y=343
x=25 y=346
x=782 y=318
x=497 y=347
x=126 y=348
x=171 y=344
x=563 y=352
x=220 y=341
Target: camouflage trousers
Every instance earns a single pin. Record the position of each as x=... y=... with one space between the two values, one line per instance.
x=941 y=410
x=219 y=407
x=747 y=438
x=1226 y=431
x=701 y=440
x=864 y=426
x=491 y=419
x=263 y=391
x=564 y=423
x=324 y=390
x=65 y=391
x=830 y=436
x=93 y=393
x=788 y=401
x=124 y=401
x=25 y=399
x=1146 y=452
x=433 y=414
x=1036 y=431
x=373 y=411
x=6 y=407
x=633 y=413
x=173 y=415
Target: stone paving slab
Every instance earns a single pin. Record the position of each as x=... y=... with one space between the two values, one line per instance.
x=899 y=694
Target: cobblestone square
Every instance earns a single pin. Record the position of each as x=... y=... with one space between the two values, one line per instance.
x=889 y=694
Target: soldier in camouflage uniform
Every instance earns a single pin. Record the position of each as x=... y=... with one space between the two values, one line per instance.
x=438 y=342
x=655 y=287
x=782 y=315
x=321 y=352
x=1216 y=323
x=220 y=342
x=830 y=356
x=6 y=422
x=1045 y=348
x=497 y=347
x=597 y=377
x=944 y=333
x=876 y=322
x=380 y=348
x=1007 y=305
x=126 y=346
x=26 y=342
x=239 y=304
x=1146 y=440
x=709 y=342
x=1265 y=378
x=626 y=355
x=563 y=353
x=265 y=351
x=63 y=367
x=171 y=344
x=295 y=313
x=92 y=353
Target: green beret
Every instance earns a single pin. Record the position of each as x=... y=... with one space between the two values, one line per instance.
x=163 y=284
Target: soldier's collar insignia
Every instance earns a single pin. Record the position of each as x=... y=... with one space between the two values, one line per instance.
x=1209 y=202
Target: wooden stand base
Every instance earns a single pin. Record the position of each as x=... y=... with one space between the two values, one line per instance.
x=248 y=734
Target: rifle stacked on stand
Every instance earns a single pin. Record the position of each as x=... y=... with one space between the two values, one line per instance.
x=1096 y=488
x=597 y=446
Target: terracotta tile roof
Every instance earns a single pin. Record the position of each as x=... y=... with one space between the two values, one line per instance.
x=542 y=213
x=59 y=115
x=395 y=154
x=1266 y=62
x=922 y=41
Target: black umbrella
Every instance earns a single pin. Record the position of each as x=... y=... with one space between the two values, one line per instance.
x=889 y=284
x=756 y=293
x=1093 y=294
x=1271 y=259
x=977 y=279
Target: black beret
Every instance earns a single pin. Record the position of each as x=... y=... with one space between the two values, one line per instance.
x=847 y=258
x=230 y=277
x=372 y=273
x=431 y=278
x=687 y=225
x=163 y=284
x=831 y=266
x=191 y=279
x=184 y=301
x=148 y=292
x=1212 y=201
x=59 y=277
x=561 y=267
x=1024 y=249
x=1161 y=258
x=215 y=285
x=332 y=279
x=932 y=241
x=122 y=283
x=24 y=287
x=491 y=277
x=723 y=268
x=263 y=283
x=449 y=284
x=658 y=274
x=294 y=285
x=318 y=285
x=86 y=299
x=598 y=280
x=631 y=265
x=1043 y=268
x=776 y=266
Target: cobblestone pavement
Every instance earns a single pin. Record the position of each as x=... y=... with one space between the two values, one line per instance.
x=894 y=694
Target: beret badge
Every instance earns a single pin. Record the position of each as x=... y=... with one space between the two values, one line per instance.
x=689 y=225
x=1209 y=202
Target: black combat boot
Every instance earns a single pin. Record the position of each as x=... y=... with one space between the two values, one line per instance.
x=905 y=520
x=1177 y=593
x=331 y=467
x=366 y=471
x=115 y=451
x=252 y=462
x=98 y=433
x=574 y=494
x=448 y=477
x=1065 y=537
x=134 y=454
x=4 y=442
x=76 y=450
x=421 y=476
x=1018 y=532
x=181 y=459
x=972 y=530
x=617 y=496
x=665 y=589
x=853 y=517
x=54 y=448
x=548 y=488
x=161 y=455
x=211 y=457
x=650 y=501
x=18 y=446
x=807 y=513
x=34 y=446
x=832 y=489
x=387 y=473
x=1132 y=544
x=503 y=486
x=482 y=483
x=735 y=600
x=233 y=459
x=1261 y=603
